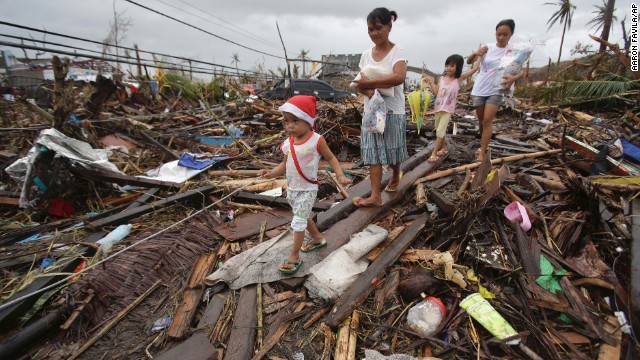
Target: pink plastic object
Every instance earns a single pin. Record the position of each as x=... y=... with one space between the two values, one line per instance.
x=515 y=212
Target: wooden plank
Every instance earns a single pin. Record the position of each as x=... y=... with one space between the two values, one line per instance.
x=508 y=140
x=9 y=201
x=611 y=352
x=363 y=189
x=249 y=224
x=213 y=311
x=243 y=332
x=197 y=347
x=122 y=179
x=146 y=197
x=446 y=205
x=271 y=200
x=191 y=296
x=127 y=215
x=623 y=167
x=361 y=288
x=161 y=147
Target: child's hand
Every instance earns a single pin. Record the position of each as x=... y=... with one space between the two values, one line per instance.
x=343 y=180
x=264 y=174
x=481 y=50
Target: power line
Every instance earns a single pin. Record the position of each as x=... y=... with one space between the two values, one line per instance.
x=111 y=45
x=242 y=31
x=146 y=61
x=204 y=31
x=55 y=51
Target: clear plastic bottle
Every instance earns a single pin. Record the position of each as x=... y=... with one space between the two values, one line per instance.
x=113 y=237
x=425 y=316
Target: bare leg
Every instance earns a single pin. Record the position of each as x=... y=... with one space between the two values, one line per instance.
x=375 y=174
x=294 y=255
x=490 y=111
x=437 y=146
x=396 y=173
x=480 y=115
x=314 y=232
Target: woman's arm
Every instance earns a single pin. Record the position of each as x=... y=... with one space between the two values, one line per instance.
x=509 y=80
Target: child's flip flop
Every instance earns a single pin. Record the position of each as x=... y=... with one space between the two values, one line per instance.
x=432 y=159
x=296 y=266
x=314 y=246
x=442 y=152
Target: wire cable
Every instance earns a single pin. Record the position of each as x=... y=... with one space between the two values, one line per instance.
x=244 y=32
x=204 y=31
x=111 y=45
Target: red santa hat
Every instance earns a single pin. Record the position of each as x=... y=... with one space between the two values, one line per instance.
x=303 y=107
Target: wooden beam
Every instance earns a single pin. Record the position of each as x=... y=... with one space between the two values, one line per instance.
x=243 y=332
x=446 y=205
x=161 y=147
x=270 y=200
x=363 y=188
x=623 y=167
x=122 y=179
x=127 y=215
x=361 y=288
x=191 y=296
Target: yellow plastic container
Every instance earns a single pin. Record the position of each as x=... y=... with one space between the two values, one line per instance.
x=481 y=310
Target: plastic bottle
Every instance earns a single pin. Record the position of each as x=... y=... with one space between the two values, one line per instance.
x=425 y=316
x=113 y=237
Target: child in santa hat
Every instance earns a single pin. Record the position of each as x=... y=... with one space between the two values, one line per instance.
x=302 y=151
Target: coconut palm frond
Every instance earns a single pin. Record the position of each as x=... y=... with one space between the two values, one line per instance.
x=584 y=90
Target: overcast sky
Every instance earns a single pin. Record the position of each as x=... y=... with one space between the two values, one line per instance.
x=429 y=30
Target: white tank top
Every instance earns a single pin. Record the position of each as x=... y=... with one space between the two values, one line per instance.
x=308 y=157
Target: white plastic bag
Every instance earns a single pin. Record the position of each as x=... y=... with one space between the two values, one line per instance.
x=374 y=72
x=375 y=114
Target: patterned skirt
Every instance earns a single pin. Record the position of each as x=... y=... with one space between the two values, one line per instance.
x=389 y=147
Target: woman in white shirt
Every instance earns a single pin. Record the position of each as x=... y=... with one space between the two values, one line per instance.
x=488 y=91
x=389 y=147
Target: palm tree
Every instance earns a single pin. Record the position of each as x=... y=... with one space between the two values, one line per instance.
x=236 y=59
x=303 y=56
x=564 y=14
x=603 y=19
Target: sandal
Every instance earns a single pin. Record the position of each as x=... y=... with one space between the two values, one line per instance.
x=358 y=202
x=393 y=187
x=442 y=152
x=433 y=159
x=289 y=271
x=314 y=246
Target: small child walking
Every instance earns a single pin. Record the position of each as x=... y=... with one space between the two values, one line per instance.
x=302 y=151
x=446 y=97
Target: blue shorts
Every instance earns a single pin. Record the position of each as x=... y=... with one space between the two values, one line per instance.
x=479 y=101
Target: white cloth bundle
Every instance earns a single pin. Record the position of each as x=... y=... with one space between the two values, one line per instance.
x=374 y=72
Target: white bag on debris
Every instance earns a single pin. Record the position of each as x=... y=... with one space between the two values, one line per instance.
x=333 y=275
x=374 y=72
x=375 y=113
